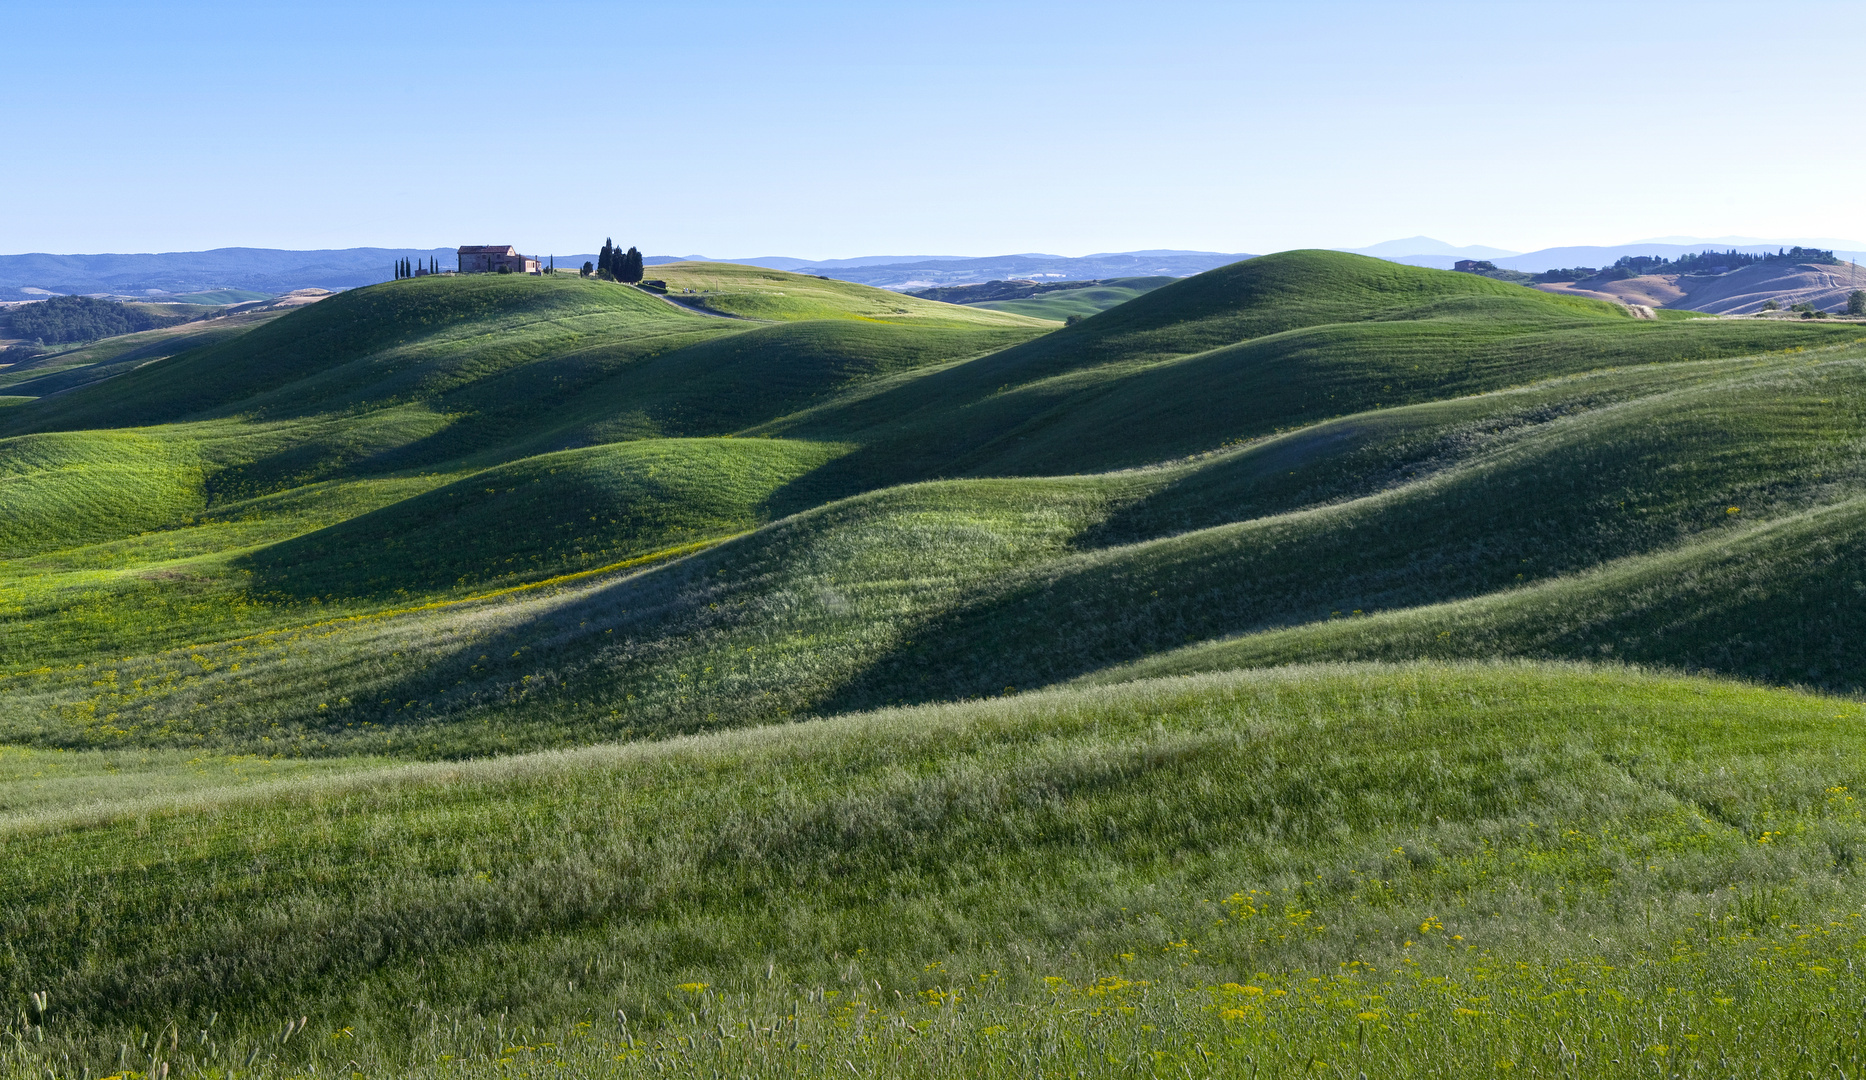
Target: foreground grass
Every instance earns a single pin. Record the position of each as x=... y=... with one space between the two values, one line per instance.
x=1402 y=870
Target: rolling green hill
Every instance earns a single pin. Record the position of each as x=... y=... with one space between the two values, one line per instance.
x=55 y=371
x=1056 y=300
x=574 y=511
x=866 y=683
x=1078 y=302
x=752 y=292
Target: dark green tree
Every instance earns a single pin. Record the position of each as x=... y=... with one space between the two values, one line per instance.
x=631 y=266
x=1856 y=302
x=587 y=270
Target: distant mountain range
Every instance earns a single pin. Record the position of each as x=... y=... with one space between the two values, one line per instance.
x=266 y=270
x=927 y=273
x=1425 y=251
x=274 y=271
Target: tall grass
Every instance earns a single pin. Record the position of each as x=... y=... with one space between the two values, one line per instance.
x=1389 y=869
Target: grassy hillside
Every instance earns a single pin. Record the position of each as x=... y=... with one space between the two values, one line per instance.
x=60 y=370
x=961 y=588
x=1166 y=375
x=520 y=675
x=570 y=512
x=753 y=292
x=1763 y=602
x=1056 y=300
x=377 y=346
x=1404 y=871
x=60 y=491
x=1059 y=304
x=934 y=591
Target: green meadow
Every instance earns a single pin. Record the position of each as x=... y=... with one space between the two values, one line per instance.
x=1315 y=667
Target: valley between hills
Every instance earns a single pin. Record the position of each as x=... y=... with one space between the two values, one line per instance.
x=1313 y=666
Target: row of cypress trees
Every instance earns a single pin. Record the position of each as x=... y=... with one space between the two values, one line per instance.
x=406 y=268
x=620 y=265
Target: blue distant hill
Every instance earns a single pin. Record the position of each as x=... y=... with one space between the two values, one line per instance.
x=266 y=270
x=930 y=272
x=274 y=271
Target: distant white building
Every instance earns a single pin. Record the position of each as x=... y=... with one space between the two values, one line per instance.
x=488 y=259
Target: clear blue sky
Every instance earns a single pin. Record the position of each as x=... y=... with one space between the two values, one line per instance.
x=826 y=130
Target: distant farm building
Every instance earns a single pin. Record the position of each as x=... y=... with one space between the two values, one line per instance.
x=492 y=258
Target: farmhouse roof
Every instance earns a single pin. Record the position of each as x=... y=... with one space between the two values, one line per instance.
x=488 y=249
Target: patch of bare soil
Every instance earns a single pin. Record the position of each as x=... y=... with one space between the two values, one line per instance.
x=1652 y=290
x=1743 y=292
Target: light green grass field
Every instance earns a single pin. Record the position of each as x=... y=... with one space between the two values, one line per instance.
x=871 y=684
x=752 y=292
x=1406 y=871
x=65 y=369
x=1062 y=303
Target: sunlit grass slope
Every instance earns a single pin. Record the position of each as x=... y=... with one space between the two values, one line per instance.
x=1242 y=352
x=568 y=512
x=1773 y=602
x=961 y=588
x=607 y=563
x=63 y=490
x=1402 y=871
x=753 y=292
x=266 y=617
x=1083 y=302
x=383 y=345
x=55 y=372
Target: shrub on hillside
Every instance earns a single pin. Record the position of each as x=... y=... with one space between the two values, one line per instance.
x=65 y=319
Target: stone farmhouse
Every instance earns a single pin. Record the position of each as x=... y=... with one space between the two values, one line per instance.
x=488 y=259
